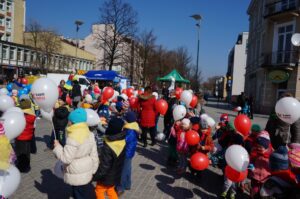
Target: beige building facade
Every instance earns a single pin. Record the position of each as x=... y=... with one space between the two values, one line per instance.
x=272 y=62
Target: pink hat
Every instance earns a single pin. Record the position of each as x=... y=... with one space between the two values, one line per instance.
x=2 y=131
x=264 y=134
x=294 y=154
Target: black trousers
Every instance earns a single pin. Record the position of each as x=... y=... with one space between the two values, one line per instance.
x=84 y=191
x=23 y=149
x=151 y=130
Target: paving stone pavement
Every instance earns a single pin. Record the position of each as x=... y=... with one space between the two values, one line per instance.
x=151 y=179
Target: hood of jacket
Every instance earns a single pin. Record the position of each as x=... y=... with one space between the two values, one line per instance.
x=116 y=146
x=78 y=132
x=29 y=111
x=133 y=126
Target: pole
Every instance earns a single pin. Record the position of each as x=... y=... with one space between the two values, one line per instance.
x=197 y=64
x=77 y=28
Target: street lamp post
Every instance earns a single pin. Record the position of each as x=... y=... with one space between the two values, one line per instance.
x=198 y=18
x=78 y=24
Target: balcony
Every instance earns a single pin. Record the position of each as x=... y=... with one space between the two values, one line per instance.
x=281 y=60
x=282 y=9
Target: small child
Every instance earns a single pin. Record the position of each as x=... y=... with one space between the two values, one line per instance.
x=60 y=122
x=23 y=141
x=14 y=96
x=250 y=141
x=111 y=160
x=259 y=162
x=132 y=129
x=7 y=155
x=206 y=144
x=79 y=155
x=182 y=147
x=87 y=102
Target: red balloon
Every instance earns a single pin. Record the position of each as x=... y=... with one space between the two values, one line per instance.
x=161 y=106
x=97 y=90
x=133 y=101
x=124 y=91
x=68 y=100
x=140 y=92
x=192 y=137
x=178 y=92
x=234 y=175
x=129 y=92
x=107 y=93
x=242 y=124
x=194 y=101
x=24 y=81
x=199 y=161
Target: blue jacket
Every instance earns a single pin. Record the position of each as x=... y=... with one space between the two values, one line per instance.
x=131 y=130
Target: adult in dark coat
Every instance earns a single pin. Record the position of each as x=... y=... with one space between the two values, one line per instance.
x=76 y=93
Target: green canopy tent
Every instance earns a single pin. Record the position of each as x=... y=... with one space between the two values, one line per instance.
x=173 y=74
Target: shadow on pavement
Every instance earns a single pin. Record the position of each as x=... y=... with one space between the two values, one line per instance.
x=46 y=139
x=53 y=186
x=157 y=156
x=164 y=179
x=220 y=106
x=175 y=192
x=147 y=166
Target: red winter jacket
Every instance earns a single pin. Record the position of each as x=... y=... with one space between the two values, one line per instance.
x=260 y=160
x=27 y=134
x=148 y=114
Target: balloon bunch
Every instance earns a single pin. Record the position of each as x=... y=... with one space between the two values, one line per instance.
x=26 y=88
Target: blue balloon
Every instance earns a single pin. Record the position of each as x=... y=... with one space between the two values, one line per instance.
x=21 y=92
x=9 y=94
x=28 y=86
x=26 y=90
x=9 y=87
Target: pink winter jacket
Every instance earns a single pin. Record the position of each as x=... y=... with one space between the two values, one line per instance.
x=261 y=164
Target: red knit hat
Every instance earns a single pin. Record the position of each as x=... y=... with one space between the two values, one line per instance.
x=2 y=131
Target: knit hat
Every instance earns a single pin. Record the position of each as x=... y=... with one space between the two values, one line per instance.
x=294 y=155
x=130 y=117
x=2 y=131
x=204 y=124
x=24 y=96
x=78 y=116
x=231 y=126
x=263 y=139
x=88 y=98
x=115 y=126
x=279 y=159
x=255 y=128
x=25 y=104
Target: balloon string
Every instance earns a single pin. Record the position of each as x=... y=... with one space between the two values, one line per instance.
x=53 y=130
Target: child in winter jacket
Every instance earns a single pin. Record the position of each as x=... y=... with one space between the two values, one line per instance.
x=23 y=141
x=79 y=155
x=87 y=102
x=182 y=146
x=60 y=122
x=206 y=144
x=259 y=162
x=111 y=160
x=132 y=129
x=250 y=141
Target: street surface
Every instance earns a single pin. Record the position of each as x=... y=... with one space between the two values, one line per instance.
x=150 y=177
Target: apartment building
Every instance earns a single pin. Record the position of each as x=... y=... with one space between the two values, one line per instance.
x=272 y=61
x=12 y=20
x=237 y=67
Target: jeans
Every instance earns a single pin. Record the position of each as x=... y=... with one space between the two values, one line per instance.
x=126 y=176
x=152 y=131
x=84 y=191
x=182 y=161
x=229 y=185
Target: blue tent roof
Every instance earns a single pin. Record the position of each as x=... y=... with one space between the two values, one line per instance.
x=105 y=75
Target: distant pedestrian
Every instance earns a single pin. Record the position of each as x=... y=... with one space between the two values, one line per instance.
x=76 y=93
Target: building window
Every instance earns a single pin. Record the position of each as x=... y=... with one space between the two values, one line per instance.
x=2 y=21
x=12 y=54
x=284 y=46
x=8 y=6
x=2 y=5
x=19 y=55
x=26 y=56
x=8 y=23
x=4 y=52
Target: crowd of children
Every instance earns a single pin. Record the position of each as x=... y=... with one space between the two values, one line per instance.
x=104 y=152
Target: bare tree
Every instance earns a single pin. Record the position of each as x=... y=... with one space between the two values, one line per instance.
x=147 y=44
x=120 y=22
x=182 y=61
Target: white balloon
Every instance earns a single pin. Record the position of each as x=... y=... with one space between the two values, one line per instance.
x=239 y=108
x=14 y=124
x=3 y=91
x=14 y=109
x=124 y=96
x=46 y=115
x=6 y=102
x=210 y=121
x=59 y=169
x=9 y=181
x=45 y=93
x=288 y=109
x=237 y=157
x=155 y=94
x=160 y=136
x=179 y=112
x=88 y=98
x=186 y=97
x=204 y=116
x=93 y=118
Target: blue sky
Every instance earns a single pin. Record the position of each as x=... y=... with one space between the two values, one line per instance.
x=222 y=21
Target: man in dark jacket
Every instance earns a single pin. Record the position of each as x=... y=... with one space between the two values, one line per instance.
x=111 y=159
x=76 y=93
